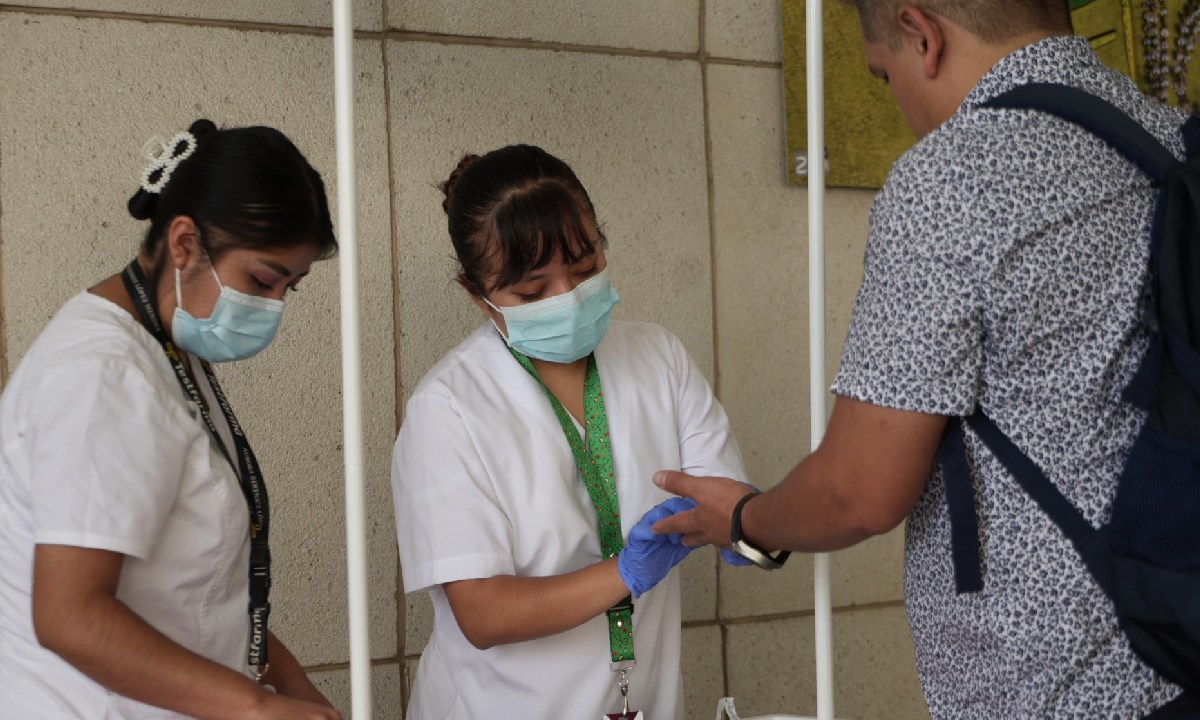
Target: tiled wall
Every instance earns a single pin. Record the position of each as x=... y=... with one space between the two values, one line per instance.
x=670 y=112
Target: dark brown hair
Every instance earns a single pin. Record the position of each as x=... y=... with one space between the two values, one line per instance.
x=513 y=210
x=245 y=187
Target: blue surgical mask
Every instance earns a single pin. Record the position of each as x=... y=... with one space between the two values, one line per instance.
x=563 y=328
x=239 y=327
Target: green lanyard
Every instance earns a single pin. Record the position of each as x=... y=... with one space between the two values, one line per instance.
x=595 y=464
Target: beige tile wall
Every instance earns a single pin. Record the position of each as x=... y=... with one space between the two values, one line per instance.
x=662 y=26
x=777 y=670
x=368 y=14
x=671 y=114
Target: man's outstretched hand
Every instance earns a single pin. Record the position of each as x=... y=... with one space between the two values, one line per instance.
x=708 y=523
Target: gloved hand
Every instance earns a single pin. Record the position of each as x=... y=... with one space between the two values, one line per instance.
x=648 y=557
x=732 y=558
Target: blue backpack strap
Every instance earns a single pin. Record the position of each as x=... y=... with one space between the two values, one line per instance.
x=1177 y=262
x=1099 y=117
x=960 y=501
x=1143 y=149
x=1144 y=385
x=1031 y=478
x=960 y=497
x=1107 y=122
x=1183 y=357
x=1191 y=136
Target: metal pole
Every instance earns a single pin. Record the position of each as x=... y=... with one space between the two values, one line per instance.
x=356 y=536
x=816 y=330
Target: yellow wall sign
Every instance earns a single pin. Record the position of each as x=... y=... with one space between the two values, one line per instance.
x=1149 y=40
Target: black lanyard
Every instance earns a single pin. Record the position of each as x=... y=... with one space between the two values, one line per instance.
x=246 y=466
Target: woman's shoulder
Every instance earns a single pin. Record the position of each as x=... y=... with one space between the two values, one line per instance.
x=474 y=358
x=88 y=322
x=94 y=354
x=643 y=353
x=641 y=331
x=88 y=334
x=633 y=339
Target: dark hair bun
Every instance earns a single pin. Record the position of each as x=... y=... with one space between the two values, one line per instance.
x=142 y=205
x=202 y=127
x=447 y=187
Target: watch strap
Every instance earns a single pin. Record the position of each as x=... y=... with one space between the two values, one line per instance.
x=747 y=549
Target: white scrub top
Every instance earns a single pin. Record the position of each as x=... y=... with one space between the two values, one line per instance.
x=484 y=484
x=100 y=449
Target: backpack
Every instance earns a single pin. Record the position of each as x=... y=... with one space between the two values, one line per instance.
x=1147 y=558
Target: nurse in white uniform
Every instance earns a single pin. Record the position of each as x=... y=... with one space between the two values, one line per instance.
x=134 y=565
x=522 y=472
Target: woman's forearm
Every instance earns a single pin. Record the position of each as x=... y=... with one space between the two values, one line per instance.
x=287 y=676
x=76 y=615
x=507 y=609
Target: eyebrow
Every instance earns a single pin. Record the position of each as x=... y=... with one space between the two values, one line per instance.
x=539 y=274
x=281 y=269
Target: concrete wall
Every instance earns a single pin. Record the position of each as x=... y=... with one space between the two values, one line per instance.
x=670 y=112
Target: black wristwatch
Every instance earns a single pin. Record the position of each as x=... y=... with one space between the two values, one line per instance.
x=748 y=550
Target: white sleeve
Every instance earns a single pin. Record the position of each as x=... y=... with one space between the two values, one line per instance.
x=449 y=523
x=106 y=458
x=706 y=443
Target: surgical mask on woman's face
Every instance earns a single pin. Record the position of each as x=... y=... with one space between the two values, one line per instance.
x=239 y=327
x=563 y=328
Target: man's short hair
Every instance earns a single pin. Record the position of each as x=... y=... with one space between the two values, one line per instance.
x=992 y=21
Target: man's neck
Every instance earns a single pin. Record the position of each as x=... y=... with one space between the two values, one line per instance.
x=976 y=59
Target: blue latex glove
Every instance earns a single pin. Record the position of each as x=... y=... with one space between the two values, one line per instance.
x=648 y=557
x=732 y=558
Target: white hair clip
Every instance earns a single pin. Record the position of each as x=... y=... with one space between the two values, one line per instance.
x=164 y=157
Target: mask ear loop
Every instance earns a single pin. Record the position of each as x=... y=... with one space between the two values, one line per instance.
x=211 y=266
x=213 y=270
x=493 y=321
x=216 y=277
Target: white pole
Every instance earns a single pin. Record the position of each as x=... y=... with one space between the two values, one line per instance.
x=823 y=611
x=356 y=536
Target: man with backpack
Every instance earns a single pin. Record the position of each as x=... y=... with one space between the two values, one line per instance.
x=1007 y=272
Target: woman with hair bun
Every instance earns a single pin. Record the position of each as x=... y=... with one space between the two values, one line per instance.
x=522 y=472
x=133 y=515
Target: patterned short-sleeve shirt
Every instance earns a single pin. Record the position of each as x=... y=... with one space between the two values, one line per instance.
x=1005 y=267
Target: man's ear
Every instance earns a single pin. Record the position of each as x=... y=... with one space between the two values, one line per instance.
x=923 y=32
x=183 y=242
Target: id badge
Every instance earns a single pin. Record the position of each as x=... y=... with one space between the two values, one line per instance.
x=631 y=715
